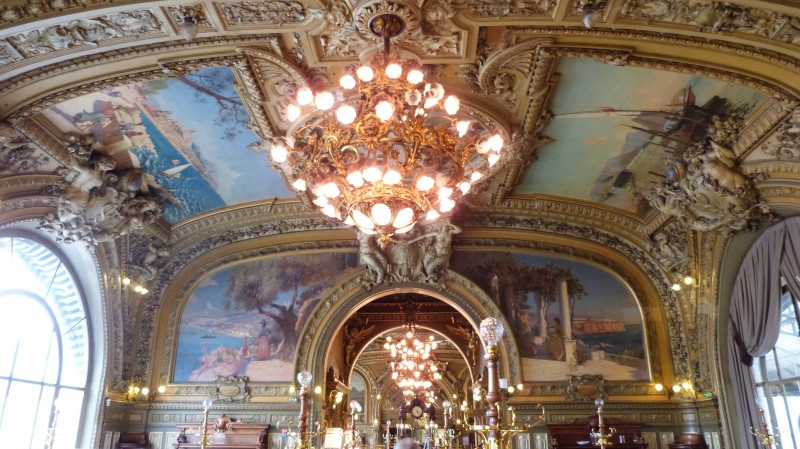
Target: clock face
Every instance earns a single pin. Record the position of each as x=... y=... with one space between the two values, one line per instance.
x=416 y=412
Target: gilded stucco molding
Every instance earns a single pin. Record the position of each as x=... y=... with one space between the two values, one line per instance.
x=666 y=38
x=764 y=124
x=632 y=252
x=227 y=43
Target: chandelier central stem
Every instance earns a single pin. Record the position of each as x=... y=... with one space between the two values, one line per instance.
x=386 y=26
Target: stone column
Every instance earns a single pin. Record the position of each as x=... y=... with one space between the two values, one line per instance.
x=570 y=345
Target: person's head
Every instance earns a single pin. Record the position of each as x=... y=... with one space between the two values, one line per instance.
x=263 y=323
x=406 y=443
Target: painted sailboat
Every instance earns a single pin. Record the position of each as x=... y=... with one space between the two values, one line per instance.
x=175 y=172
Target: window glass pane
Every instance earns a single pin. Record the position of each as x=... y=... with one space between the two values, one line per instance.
x=19 y=415
x=758 y=362
x=32 y=267
x=63 y=297
x=771 y=366
x=3 y=389
x=36 y=331
x=70 y=403
x=787 y=348
x=52 y=367
x=43 y=417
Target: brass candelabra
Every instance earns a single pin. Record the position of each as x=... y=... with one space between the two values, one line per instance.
x=355 y=435
x=764 y=436
x=202 y=435
x=494 y=434
x=301 y=439
x=598 y=435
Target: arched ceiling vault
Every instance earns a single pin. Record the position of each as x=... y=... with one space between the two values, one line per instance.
x=592 y=117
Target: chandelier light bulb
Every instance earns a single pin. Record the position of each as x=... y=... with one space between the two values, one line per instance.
x=415 y=77
x=355 y=179
x=464 y=187
x=394 y=71
x=347 y=81
x=305 y=96
x=292 y=112
x=676 y=287
x=446 y=205
x=324 y=100
x=362 y=220
x=405 y=229
x=688 y=280
x=365 y=73
x=451 y=104
x=445 y=192
x=432 y=215
x=381 y=214
x=404 y=218
x=493 y=158
x=425 y=183
x=345 y=114
x=476 y=176
x=496 y=143
x=392 y=177
x=430 y=102
x=372 y=174
x=330 y=211
x=349 y=221
x=462 y=128
x=321 y=201
x=279 y=153
x=330 y=190
x=384 y=110
x=299 y=184
x=492 y=330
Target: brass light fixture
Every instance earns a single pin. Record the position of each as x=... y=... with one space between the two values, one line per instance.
x=385 y=149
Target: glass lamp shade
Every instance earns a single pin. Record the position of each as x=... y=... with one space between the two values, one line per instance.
x=446 y=405
x=189 y=28
x=304 y=378
x=207 y=404
x=492 y=331
x=599 y=403
x=354 y=405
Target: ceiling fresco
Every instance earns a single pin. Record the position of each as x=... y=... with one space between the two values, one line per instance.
x=616 y=126
x=188 y=133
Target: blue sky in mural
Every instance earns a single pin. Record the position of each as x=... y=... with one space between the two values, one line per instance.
x=188 y=133
x=615 y=126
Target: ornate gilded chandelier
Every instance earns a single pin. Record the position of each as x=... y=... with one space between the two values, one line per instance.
x=385 y=149
x=414 y=366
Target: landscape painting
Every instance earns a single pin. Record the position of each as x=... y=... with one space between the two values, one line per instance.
x=596 y=328
x=188 y=133
x=358 y=392
x=245 y=320
x=618 y=125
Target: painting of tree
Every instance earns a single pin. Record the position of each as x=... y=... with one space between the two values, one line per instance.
x=597 y=319
x=262 y=287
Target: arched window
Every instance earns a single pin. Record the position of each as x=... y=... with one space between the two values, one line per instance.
x=44 y=347
x=777 y=376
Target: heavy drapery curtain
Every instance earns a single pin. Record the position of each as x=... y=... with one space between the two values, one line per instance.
x=755 y=313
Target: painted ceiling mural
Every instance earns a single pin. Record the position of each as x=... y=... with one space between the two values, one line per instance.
x=604 y=317
x=245 y=320
x=617 y=125
x=188 y=134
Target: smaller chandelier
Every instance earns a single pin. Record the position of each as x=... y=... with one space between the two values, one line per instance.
x=414 y=367
x=386 y=148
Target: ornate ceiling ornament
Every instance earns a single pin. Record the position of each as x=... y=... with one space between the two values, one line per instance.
x=785 y=142
x=85 y=33
x=669 y=247
x=273 y=12
x=37 y=8
x=17 y=155
x=505 y=8
x=706 y=190
x=716 y=17
x=97 y=203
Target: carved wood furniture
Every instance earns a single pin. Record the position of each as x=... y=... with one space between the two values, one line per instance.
x=689 y=440
x=236 y=436
x=132 y=440
x=575 y=435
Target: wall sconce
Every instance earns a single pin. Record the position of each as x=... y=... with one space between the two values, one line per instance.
x=682 y=281
x=192 y=16
x=685 y=389
x=659 y=387
x=138 y=288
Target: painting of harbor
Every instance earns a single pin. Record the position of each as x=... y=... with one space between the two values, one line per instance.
x=245 y=320
x=611 y=124
x=188 y=133
x=568 y=317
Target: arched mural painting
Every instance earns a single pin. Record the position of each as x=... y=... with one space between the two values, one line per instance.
x=245 y=320
x=600 y=312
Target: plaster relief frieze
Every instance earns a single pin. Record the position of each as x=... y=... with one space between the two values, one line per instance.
x=8 y=54
x=275 y=12
x=785 y=143
x=17 y=154
x=716 y=17
x=668 y=245
x=195 y=12
x=98 y=203
x=505 y=8
x=90 y=32
x=706 y=191
x=146 y=256
x=33 y=9
x=763 y=125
